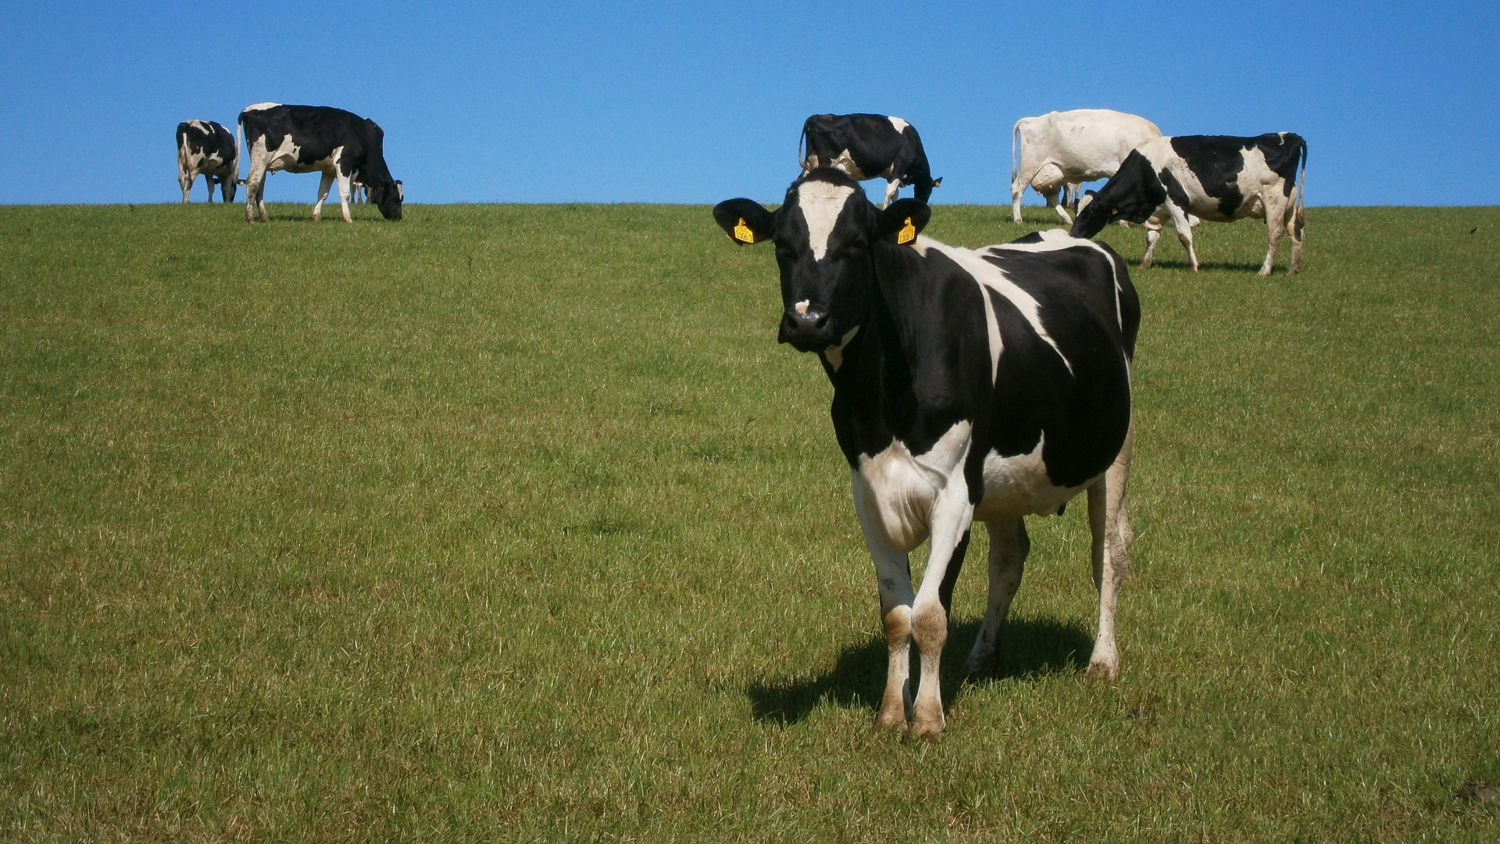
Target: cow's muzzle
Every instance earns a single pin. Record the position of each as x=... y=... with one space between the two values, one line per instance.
x=808 y=328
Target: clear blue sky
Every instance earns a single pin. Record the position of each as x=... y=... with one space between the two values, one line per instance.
x=688 y=102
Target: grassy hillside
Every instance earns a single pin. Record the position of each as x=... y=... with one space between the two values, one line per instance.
x=514 y=523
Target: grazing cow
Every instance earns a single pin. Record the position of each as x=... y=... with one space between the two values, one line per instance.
x=985 y=384
x=208 y=149
x=868 y=146
x=1062 y=149
x=303 y=139
x=1216 y=177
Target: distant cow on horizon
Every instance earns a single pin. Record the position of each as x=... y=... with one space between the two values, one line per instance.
x=868 y=146
x=207 y=149
x=304 y=139
x=1216 y=177
x=1062 y=149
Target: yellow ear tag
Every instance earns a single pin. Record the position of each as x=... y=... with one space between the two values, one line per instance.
x=908 y=232
x=742 y=232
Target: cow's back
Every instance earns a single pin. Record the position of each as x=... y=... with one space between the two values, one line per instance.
x=1085 y=143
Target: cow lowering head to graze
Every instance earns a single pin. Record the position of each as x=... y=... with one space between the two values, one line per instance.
x=303 y=139
x=985 y=384
x=207 y=149
x=868 y=146
x=1215 y=177
x=1061 y=149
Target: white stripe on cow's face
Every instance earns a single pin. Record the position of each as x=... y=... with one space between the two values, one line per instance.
x=821 y=204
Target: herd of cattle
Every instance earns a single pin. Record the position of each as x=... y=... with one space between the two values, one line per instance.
x=298 y=139
x=1152 y=178
x=993 y=383
x=987 y=384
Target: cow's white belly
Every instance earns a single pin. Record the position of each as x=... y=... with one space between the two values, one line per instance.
x=286 y=158
x=1018 y=486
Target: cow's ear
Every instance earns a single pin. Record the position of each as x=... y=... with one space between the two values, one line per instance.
x=904 y=219
x=744 y=220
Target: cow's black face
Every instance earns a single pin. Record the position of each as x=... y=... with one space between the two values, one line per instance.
x=827 y=234
x=387 y=197
x=1133 y=193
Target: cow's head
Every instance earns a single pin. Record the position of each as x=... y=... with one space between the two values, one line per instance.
x=828 y=240
x=387 y=196
x=1133 y=193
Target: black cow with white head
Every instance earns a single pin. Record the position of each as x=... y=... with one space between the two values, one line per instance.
x=1215 y=177
x=207 y=149
x=984 y=384
x=304 y=139
x=868 y=146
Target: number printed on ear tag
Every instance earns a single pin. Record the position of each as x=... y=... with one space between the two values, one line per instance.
x=742 y=232
x=908 y=232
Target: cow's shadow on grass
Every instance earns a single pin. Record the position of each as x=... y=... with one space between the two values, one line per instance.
x=1027 y=648
x=1203 y=266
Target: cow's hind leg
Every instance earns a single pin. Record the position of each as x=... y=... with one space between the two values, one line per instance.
x=255 y=186
x=1008 y=548
x=1276 y=208
x=186 y=182
x=1294 y=228
x=1110 y=526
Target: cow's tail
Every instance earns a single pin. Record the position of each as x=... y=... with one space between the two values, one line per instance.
x=239 y=142
x=1015 y=160
x=802 y=147
x=1301 y=185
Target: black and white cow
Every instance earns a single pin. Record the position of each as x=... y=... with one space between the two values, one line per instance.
x=985 y=384
x=207 y=149
x=1215 y=177
x=302 y=139
x=868 y=146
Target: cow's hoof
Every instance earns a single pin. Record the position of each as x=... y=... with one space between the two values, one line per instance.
x=928 y=729
x=887 y=720
x=1103 y=670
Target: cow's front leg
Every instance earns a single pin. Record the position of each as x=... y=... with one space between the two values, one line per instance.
x=1009 y=546
x=892 y=187
x=1110 y=527
x=1153 y=235
x=1182 y=222
x=344 y=197
x=324 y=184
x=893 y=574
x=1059 y=204
x=951 y=519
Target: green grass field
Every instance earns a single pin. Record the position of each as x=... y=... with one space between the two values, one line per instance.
x=514 y=523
